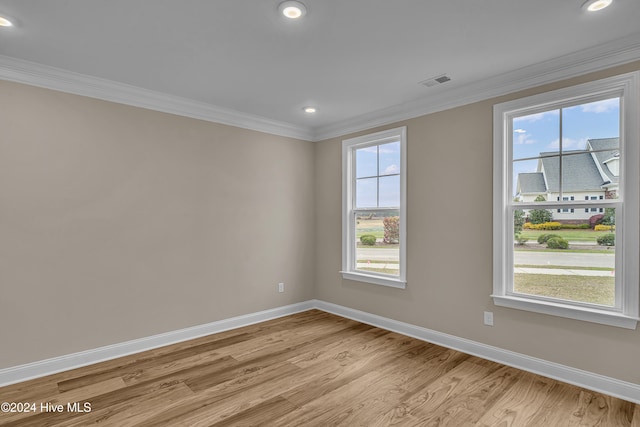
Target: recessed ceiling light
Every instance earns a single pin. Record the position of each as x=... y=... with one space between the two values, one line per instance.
x=309 y=110
x=292 y=9
x=5 y=21
x=596 y=5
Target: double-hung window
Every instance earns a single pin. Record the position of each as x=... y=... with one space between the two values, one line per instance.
x=566 y=202
x=374 y=208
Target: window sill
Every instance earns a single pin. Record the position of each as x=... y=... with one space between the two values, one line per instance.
x=602 y=317
x=376 y=280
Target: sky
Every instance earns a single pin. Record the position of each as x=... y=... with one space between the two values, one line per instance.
x=540 y=132
x=378 y=176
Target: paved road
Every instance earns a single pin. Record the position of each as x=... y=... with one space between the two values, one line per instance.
x=566 y=259
x=381 y=254
x=520 y=257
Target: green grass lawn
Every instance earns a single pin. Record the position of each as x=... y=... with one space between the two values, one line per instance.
x=370 y=226
x=570 y=235
x=393 y=272
x=562 y=267
x=595 y=290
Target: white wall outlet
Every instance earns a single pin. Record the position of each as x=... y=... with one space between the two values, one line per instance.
x=488 y=318
x=280 y=287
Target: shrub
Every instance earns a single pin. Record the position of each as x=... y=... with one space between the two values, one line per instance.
x=539 y=216
x=607 y=240
x=368 y=239
x=557 y=243
x=595 y=220
x=391 y=229
x=551 y=226
x=544 y=237
x=543 y=226
x=601 y=227
x=575 y=226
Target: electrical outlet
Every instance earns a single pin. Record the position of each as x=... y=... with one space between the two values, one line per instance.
x=280 y=287
x=488 y=318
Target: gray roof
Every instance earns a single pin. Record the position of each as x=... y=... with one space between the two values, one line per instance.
x=532 y=182
x=579 y=169
x=579 y=172
x=612 y=147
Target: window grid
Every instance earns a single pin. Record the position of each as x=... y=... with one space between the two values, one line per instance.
x=624 y=311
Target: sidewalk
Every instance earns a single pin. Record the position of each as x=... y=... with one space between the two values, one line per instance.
x=389 y=266
x=527 y=270
x=564 y=272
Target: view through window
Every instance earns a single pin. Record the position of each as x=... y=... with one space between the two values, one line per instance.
x=377 y=208
x=374 y=199
x=563 y=157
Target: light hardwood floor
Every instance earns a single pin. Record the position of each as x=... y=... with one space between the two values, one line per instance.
x=310 y=369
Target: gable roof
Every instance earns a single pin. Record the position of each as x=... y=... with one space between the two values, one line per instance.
x=582 y=170
x=612 y=150
x=579 y=172
x=531 y=183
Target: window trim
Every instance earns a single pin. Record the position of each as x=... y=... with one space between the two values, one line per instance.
x=348 y=182
x=627 y=86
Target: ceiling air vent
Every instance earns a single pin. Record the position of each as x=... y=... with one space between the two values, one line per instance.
x=435 y=80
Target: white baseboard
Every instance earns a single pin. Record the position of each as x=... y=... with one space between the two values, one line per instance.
x=600 y=383
x=54 y=365
x=611 y=386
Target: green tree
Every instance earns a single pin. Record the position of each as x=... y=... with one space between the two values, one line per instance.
x=540 y=216
x=518 y=222
x=609 y=217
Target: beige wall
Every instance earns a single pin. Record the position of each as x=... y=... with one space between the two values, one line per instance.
x=449 y=246
x=118 y=223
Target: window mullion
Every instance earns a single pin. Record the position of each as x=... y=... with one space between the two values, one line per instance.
x=561 y=158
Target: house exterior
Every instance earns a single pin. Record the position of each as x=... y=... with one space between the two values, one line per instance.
x=589 y=174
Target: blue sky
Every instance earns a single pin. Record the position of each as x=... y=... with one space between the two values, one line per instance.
x=377 y=176
x=536 y=133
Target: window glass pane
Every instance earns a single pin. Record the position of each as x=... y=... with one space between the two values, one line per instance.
x=535 y=134
x=577 y=264
x=377 y=242
x=366 y=193
x=528 y=180
x=367 y=162
x=591 y=121
x=591 y=145
x=389 y=191
x=550 y=167
x=390 y=158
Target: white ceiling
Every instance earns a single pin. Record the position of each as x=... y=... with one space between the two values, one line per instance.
x=358 y=61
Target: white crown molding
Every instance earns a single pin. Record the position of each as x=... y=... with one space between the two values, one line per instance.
x=34 y=74
x=589 y=380
x=597 y=58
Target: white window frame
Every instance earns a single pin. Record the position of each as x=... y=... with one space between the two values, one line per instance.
x=349 y=270
x=626 y=311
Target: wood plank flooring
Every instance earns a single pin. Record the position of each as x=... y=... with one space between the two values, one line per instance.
x=309 y=369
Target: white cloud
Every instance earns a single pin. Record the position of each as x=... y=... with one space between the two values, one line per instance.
x=391 y=169
x=520 y=131
x=603 y=106
x=535 y=117
x=373 y=149
x=523 y=139
x=568 y=144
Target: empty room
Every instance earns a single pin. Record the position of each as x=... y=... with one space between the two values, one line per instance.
x=319 y=212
